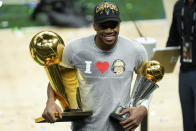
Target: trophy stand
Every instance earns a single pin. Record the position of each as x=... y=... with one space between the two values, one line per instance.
x=144 y=85
x=115 y=115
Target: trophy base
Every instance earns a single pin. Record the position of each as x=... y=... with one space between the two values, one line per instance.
x=68 y=116
x=117 y=117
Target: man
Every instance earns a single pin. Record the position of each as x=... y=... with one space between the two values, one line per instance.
x=182 y=33
x=105 y=64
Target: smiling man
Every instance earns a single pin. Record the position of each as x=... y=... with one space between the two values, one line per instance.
x=105 y=63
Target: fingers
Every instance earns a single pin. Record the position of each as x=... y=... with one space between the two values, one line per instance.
x=124 y=111
x=129 y=124
x=131 y=128
x=128 y=110
x=49 y=116
x=127 y=121
x=49 y=113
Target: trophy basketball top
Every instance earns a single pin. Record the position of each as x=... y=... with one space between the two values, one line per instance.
x=44 y=48
x=153 y=70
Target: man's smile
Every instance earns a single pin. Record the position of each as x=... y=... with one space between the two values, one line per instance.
x=109 y=37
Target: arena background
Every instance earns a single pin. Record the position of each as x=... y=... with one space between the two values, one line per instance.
x=23 y=83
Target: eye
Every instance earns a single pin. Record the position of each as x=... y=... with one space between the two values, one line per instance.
x=107 y=25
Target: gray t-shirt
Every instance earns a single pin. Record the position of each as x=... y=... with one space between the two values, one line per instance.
x=104 y=78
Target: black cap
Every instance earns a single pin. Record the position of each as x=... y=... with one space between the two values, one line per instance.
x=106 y=11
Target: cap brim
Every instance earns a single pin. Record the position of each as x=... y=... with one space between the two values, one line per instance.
x=108 y=19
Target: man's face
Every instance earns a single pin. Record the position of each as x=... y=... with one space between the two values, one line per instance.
x=107 y=32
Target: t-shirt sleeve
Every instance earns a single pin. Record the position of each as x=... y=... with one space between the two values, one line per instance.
x=141 y=58
x=67 y=57
x=147 y=101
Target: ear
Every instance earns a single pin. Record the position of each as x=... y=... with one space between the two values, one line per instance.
x=119 y=24
x=95 y=26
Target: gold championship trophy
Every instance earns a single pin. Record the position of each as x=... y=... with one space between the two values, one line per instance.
x=46 y=48
x=144 y=85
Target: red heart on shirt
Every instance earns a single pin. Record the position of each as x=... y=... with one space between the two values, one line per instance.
x=102 y=66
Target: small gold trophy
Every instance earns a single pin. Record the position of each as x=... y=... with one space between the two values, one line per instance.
x=144 y=85
x=46 y=48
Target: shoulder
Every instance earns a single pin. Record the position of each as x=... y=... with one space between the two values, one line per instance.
x=125 y=41
x=79 y=43
x=130 y=43
x=178 y=5
x=123 y=38
x=81 y=40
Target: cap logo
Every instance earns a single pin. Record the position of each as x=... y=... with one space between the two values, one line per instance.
x=107 y=7
x=107 y=11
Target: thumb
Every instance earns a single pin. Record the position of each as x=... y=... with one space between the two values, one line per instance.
x=59 y=111
x=124 y=111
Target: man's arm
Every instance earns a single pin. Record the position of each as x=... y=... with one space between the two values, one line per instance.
x=51 y=106
x=136 y=114
x=174 y=38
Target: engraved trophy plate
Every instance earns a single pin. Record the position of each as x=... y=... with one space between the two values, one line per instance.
x=46 y=49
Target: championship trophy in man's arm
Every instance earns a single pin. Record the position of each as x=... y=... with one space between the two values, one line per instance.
x=46 y=48
x=145 y=84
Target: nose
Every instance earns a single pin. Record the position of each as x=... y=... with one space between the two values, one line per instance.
x=109 y=30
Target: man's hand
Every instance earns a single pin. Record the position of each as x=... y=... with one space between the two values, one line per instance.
x=50 y=109
x=136 y=115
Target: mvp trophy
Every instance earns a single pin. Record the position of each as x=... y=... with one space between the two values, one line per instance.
x=144 y=85
x=46 y=48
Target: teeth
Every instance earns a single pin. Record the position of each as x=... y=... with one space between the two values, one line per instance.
x=109 y=37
